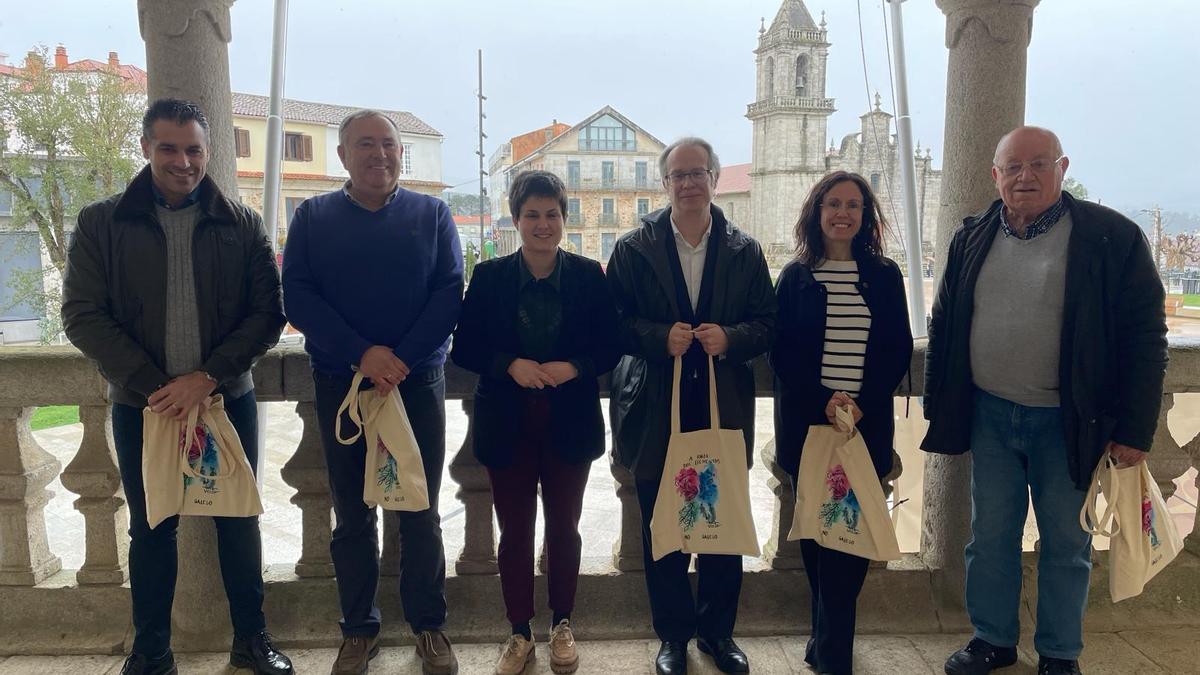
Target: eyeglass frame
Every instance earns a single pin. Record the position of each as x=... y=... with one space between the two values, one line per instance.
x=693 y=175
x=1021 y=169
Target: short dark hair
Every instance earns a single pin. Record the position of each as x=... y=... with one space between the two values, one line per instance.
x=173 y=109
x=810 y=246
x=535 y=183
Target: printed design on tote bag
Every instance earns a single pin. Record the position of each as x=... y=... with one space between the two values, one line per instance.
x=204 y=452
x=700 y=494
x=842 y=504
x=1148 y=520
x=386 y=475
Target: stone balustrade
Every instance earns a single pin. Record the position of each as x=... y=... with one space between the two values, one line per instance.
x=31 y=575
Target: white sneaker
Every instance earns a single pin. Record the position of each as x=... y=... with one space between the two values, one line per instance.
x=563 y=657
x=517 y=654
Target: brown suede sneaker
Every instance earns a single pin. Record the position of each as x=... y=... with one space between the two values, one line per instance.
x=563 y=657
x=516 y=654
x=437 y=657
x=354 y=655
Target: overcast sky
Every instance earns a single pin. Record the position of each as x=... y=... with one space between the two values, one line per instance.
x=1118 y=80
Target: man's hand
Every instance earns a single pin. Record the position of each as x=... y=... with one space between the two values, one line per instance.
x=713 y=338
x=1123 y=454
x=181 y=395
x=840 y=399
x=385 y=370
x=529 y=374
x=559 y=372
x=679 y=339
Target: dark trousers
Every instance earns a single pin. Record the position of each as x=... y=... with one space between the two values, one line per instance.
x=514 y=493
x=355 y=543
x=834 y=579
x=677 y=617
x=153 y=557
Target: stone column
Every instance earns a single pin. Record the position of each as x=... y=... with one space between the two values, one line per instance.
x=985 y=98
x=187 y=56
x=305 y=472
x=780 y=553
x=25 y=471
x=627 y=549
x=93 y=475
x=475 y=492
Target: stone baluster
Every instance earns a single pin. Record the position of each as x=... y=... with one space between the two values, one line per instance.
x=25 y=471
x=627 y=549
x=1167 y=461
x=389 y=555
x=1192 y=542
x=780 y=553
x=475 y=492
x=305 y=472
x=93 y=475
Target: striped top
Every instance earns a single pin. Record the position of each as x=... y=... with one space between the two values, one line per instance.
x=847 y=325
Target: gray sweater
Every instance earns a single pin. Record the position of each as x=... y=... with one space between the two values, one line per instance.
x=183 y=347
x=1016 y=331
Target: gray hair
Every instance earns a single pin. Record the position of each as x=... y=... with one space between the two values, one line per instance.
x=1058 y=148
x=714 y=163
x=363 y=114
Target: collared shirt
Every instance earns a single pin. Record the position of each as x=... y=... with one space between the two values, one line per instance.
x=161 y=199
x=691 y=260
x=539 y=311
x=346 y=189
x=1039 y=225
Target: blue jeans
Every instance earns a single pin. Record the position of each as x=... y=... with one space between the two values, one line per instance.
x=1020 y=451
x=153 y=557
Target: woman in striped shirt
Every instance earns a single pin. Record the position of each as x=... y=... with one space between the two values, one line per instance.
x=844 y=340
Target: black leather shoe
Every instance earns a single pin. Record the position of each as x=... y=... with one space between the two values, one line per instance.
x=258 y=653
x=1049 y=666
x=726 y=654
x=980 y=657
x=140 y=664
x=671 y=659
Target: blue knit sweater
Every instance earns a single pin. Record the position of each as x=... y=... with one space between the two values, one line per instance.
x=354 y=278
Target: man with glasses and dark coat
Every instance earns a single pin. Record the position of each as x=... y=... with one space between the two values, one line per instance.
x=687 y=283
x=1047 y=351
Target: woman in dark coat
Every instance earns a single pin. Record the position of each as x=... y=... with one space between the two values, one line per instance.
x=539 y=326
x=844 y=340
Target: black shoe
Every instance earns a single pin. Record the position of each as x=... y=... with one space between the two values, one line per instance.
x=980 y=657
x=1049 y=666
x=258 y=653
x=726 y=654
x=140 y=664
x=671 y=659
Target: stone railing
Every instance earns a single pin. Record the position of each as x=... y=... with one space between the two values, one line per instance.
x=56 y=604
x=789 y=103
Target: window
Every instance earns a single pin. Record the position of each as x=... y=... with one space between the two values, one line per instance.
x=608 y=214
x=640 y=175
x=241 y=141
x=6 y=202
x=606 y=133
x=573 y=174
x=406 y=159
x=770 y=77
x=608 y=174
x=643 y=207
x=573 y=215
x=297 y=147
x=801 y=74
x=290 y=204
x=875 y=182
x=608 y=240
x=19 y=251
x=575 y=243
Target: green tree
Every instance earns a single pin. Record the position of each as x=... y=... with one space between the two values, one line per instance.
x=464 y=204
x=70 y=137
x=1074 y=188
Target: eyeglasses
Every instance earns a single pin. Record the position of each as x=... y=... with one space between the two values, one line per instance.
x=1041 y=165
x=837 y=205
x=695 y=175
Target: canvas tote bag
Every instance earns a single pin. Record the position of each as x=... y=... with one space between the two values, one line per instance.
x=703 y=503
x=1143 y=538
x=197 y=467
x=394 y=476
x=839 y=501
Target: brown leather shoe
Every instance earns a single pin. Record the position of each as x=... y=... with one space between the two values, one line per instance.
x=356 y=652
x=437 y=657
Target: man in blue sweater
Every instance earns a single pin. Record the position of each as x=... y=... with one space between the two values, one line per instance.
x=373 y=277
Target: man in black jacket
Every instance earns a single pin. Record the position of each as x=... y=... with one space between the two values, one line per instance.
x=1047 y=350
x=687 y=283
x=173 y=290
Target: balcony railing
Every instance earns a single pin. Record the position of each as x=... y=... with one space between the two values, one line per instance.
x=575 y=220
x=615 y=185
x=608 y=219
x=86 y=609
x=789 y=103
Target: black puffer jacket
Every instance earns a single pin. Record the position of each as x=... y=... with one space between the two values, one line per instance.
x=1114 y=346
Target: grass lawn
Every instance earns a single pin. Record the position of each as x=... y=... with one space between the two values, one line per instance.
x=55 y=416
x=1191 y=300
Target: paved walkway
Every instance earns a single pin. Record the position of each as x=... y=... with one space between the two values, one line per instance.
x=1128 y=653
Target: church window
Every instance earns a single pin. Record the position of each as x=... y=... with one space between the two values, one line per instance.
x=801 y=75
